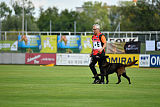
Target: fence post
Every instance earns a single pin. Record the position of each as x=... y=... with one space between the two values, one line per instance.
x=26 y=32
x=145 y=44
x=156 y=36
x=0 y=28
x=150 y=36
x=5 y=36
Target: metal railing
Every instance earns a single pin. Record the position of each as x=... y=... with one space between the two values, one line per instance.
x=142 y=35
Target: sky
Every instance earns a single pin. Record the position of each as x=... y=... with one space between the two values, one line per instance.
x=63 y=4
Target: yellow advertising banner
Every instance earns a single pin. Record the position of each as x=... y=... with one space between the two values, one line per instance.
x=49 y=43
x=86 y=43
x=123 y=58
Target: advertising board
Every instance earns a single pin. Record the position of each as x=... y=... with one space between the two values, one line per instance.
x=72 y=59
x=68 y=44
x=144 y=60
x=49 y=44
x=150 y=45
x=123 y=58
x=154 y=60
x=40 y=58
x=8 y=45
x=86 y=44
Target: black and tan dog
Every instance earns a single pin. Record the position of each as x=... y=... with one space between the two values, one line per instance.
x=109 y=68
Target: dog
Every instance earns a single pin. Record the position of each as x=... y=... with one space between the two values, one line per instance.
x=110 y=68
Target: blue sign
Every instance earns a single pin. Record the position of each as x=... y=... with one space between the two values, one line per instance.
x=154 y=60
x=64 y=41
x=29 y=41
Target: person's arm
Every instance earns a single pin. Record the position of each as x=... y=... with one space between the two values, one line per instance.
x=91 y=53
x=103 y=39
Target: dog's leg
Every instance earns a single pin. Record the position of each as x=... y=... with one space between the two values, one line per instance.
x=125 y=76
x=107 y=79
x=119 y=78
x=102 y=77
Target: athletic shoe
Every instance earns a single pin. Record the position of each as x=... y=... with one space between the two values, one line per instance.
x=96 y=81
x=101 y=82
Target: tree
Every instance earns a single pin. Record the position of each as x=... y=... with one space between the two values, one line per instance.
x=145 y=16
x=66 y=20
x=4 y=10
x=14 y=22
x=114 y=16
x=51 y=14
x=97 y=13
x=28 y=8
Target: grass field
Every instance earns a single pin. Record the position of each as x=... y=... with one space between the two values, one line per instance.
x=70 y=86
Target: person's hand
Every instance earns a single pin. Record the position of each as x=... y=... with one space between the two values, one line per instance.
x=100 y=50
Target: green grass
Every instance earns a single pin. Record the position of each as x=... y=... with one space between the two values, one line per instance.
x=70 y=86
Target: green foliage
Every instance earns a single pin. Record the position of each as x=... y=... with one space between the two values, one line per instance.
x=93 y=13
x=114 y=17
x=51 y=14
x=4 y=10
x=66 y=20
x=28 y=7
x=97 y=13
x=12 y=23
x=145 y=16
x=70 y=86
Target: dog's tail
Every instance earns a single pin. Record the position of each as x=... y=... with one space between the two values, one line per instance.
x=130 y=64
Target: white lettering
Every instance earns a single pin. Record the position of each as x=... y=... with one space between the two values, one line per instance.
x=36 y=62
x=31 y=59
x=153 y=62
x=47 y=59
x=5 y=45
x=158 y=60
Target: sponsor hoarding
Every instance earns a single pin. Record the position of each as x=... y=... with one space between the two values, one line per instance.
x=40 y=58
x=9 y=45
x=150 y=45
x=157 y=45
x=49 y=44
x=72 y=59
x=144 y=60
x=86 y=44
x=133 y=39
x=66 y=41
x=154 y=60
x=132 y=47
x=116 y=45
x=68 y=44
x=29 y=41
x=123 y=58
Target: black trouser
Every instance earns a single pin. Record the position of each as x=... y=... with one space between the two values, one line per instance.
x=94 y=60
